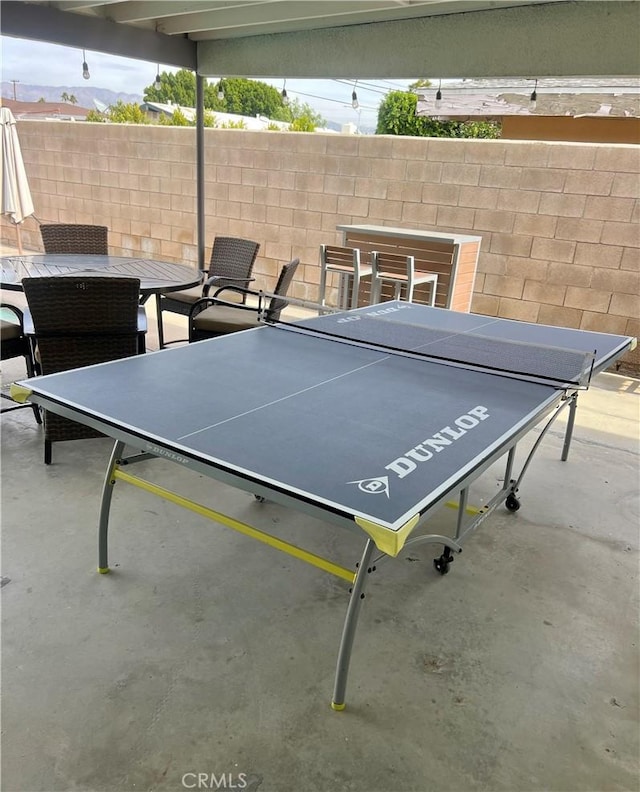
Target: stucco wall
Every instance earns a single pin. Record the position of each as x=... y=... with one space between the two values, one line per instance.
x=559 y=221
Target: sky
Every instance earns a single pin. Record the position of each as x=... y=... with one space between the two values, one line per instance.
x=38 y=63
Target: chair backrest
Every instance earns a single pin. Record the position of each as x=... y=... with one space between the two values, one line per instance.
x=392 y=264
x=234 y=258
x=79 y=321
x=340 y=258
x=75 y=238
x=282 y=287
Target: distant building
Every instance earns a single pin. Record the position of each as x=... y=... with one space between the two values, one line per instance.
x=156 y=109
x=584 y=110
x=45 y=111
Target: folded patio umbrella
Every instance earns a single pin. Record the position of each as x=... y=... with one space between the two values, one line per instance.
x=15 y=195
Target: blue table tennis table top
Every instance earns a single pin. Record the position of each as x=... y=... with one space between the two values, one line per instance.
x=356 y=431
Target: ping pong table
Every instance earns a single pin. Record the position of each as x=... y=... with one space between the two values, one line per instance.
x=371 y=419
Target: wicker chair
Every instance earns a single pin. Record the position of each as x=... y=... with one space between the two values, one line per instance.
x=216 y=315
x=75 y=238
x=79 y=321
x=231 y=264
x=14 y=343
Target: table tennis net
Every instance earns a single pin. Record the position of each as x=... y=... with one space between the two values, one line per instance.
x=551 y=365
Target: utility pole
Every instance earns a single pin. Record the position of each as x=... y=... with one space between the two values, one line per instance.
x=14 y=88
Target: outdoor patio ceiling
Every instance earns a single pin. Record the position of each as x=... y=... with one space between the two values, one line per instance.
x=346 y=38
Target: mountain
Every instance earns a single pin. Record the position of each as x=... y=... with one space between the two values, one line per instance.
x=84 y=94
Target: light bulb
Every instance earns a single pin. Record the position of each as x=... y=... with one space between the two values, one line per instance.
x=220 y=91
x=85 y=67
x=354 y=101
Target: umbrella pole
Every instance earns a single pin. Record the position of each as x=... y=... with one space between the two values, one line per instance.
x=18 y=238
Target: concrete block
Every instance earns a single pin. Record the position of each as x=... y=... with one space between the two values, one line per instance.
x=621 y=159
x=626 y=234
x=543 y=179
x=624 y=281
x=371 y=188
x=519 y=200
x=535 y=225
x=460 y=173
x=441 y=194
x=485 y=304
x=559 y=316
x=562 y=205
x=340 y=185
x=453 y=217
x=575 y=156
x=519 y=309
x=529 y=268
x=569 y=274
x=626 y=185
x=608 y=208
x=488 y=220
x=592 y=255
x=539 y=292
x=603 y=323
x=588 y=299
x=627 y=305
x=579 y=230
x=479 y=197
x=511 y=245
x=502 y=286
x=589 y=183
x=630 y=259
x=495 y=176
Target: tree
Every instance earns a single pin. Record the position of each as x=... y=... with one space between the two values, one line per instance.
x=397 y=116
x=72 y=99
x=302 y=115
x=64 y=96
x=241 y=96
x=120 y=113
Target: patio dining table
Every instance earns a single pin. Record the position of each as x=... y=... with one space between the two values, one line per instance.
x=156 y=277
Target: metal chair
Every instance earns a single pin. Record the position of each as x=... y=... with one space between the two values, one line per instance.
x=75 y=238
x=216 y=315
x=347 y=263
x=400 y=272
x=14 y=343
x=231 y=264
x=79 y=321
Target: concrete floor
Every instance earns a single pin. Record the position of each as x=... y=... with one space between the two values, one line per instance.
x=204 y=652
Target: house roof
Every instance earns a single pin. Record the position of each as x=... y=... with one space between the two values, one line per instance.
x=495 y=99
x=64 y=111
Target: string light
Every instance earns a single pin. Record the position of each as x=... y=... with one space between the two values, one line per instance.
x=354 y=97
x=85 y=67
x=285 y=98
x=157 y=84
x=221 y=91
x=533 y=99
x=438 y=102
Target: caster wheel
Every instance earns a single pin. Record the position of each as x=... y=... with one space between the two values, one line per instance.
x=512 y=503
x=441 y=564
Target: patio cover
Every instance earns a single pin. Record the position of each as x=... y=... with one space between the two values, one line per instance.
x=15 y=198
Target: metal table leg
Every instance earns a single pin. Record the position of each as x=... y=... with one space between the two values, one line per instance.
x=350 y=624
x=105 y=505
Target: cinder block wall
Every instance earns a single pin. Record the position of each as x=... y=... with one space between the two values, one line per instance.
x=559 y=221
